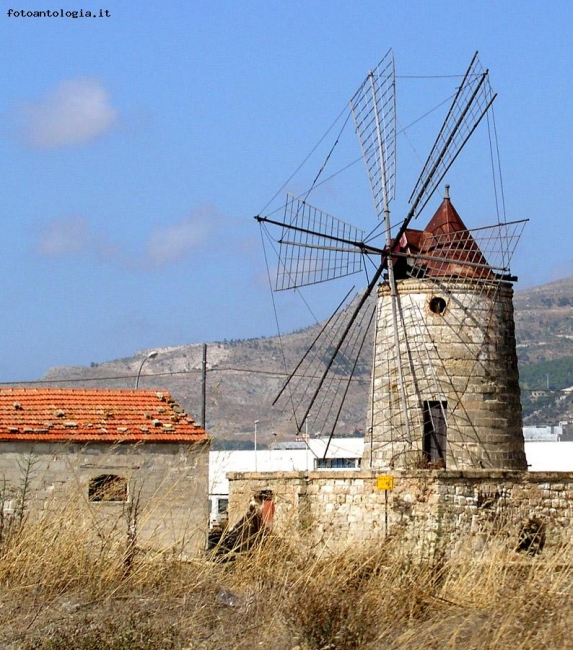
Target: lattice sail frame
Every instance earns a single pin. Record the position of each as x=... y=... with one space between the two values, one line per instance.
x=345 y=376
x=314 y=246
x=374 y=112
x=471 y=102
x=477 y=254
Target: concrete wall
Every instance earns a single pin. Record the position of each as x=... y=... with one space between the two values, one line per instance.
x=167 y=487
x=338 y=509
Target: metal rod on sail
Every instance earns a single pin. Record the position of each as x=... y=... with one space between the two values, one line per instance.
x=357 y=251
x=363 y=248
x=361 y=302
x=394 y=302
x=393 y=292
x=299 y=364
x=433 y=258
x=347 y=387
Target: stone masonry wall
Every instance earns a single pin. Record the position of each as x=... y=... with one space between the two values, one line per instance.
x=337 y=509
x=167 y=487
x=457 y=348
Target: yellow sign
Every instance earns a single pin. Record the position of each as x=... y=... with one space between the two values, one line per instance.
x=385 y=482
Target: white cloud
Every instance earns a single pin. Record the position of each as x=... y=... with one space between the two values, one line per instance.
x=166 y=245
x=169 y=244
x=74 y=235
x=77 y=111
x=64 y=236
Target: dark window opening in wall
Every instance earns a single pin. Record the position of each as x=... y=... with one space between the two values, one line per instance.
x=435 y=433
x=531 y=537
x=336 y=463
x=264 y=495
x=437 y=305
x=108 y=487
x=222 y=506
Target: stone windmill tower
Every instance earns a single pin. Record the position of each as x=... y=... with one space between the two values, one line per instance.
x=444 y=389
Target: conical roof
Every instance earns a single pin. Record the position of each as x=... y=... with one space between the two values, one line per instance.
x=449 y=246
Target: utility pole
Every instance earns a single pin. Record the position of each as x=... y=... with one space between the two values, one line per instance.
x=203 y=385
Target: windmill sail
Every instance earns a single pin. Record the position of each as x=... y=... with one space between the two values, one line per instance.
x=470 y=104
x=335 y=365
x=374 y=111
x=315 y=246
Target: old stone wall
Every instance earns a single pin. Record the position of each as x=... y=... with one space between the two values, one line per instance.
x=337 y=509
x=165 y=502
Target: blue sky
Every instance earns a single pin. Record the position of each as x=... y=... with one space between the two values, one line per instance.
x=135 y=150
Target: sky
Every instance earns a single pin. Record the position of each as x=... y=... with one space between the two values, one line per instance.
x=136 y=148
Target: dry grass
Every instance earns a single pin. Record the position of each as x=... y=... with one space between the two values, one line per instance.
x=60 y=592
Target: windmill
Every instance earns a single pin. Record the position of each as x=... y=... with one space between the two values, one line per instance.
x=444 y=387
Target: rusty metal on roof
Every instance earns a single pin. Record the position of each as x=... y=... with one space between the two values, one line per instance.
x=83 y=415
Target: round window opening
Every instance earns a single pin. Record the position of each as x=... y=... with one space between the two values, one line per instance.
x=437 y=305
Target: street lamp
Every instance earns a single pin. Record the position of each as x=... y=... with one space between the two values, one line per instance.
x=151 y=355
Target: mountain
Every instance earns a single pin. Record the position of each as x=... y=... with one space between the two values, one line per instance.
x=244 y=376
x=544 y=322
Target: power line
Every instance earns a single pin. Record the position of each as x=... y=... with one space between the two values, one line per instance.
x=70 y=380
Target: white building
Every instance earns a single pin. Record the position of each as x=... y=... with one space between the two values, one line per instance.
x=549 y=456
x=545 y=433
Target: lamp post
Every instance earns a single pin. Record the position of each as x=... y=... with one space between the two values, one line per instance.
x=306 y=441
x=256 y=422
x=151 y=355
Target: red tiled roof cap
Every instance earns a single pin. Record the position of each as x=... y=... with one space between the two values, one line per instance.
x=447 y=240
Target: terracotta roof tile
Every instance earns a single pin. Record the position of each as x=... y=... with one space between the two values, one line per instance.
x=90 y=415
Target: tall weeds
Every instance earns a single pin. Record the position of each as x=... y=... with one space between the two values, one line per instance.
x=61 y=587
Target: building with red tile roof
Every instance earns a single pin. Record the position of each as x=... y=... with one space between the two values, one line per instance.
x=130 y=460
